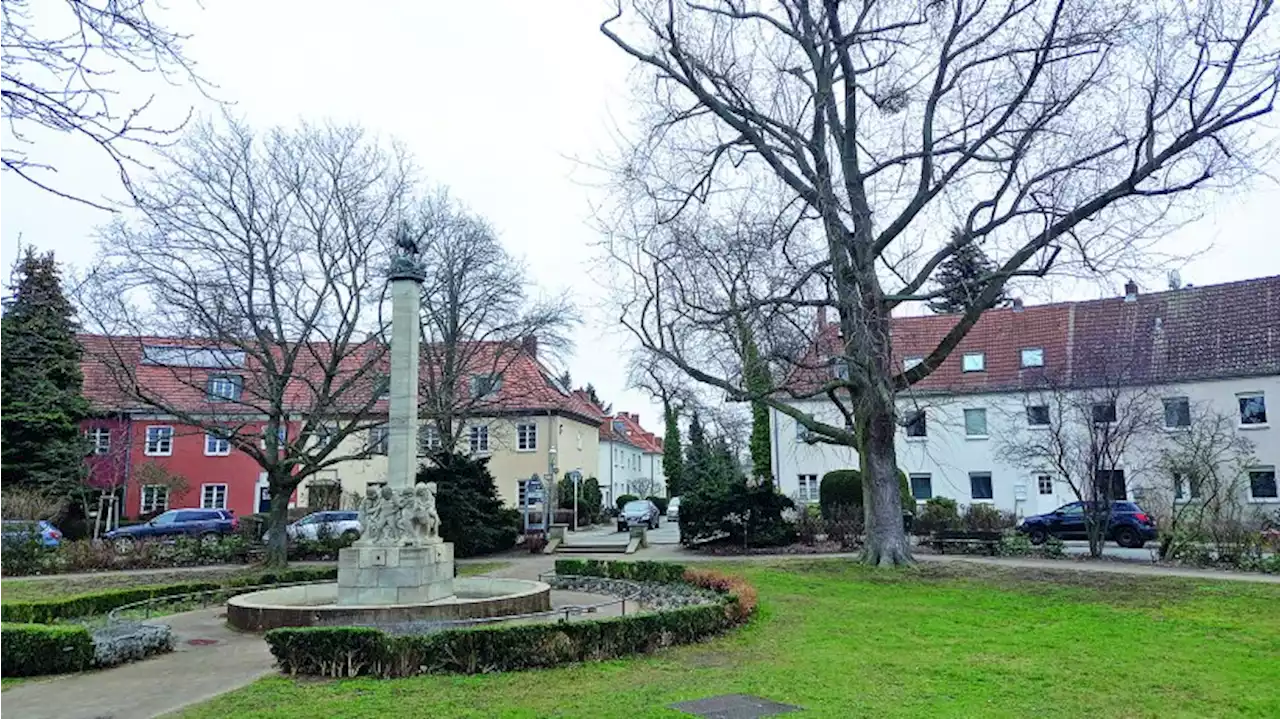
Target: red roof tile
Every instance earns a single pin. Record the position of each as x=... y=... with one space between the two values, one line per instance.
x=632 y=434
x=1194 y=333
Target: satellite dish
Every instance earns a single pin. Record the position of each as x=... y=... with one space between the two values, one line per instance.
x=1175 y=280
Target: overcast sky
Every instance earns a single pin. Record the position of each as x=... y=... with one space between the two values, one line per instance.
x=501 y=102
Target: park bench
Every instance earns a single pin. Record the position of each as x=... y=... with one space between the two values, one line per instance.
x=988 y=541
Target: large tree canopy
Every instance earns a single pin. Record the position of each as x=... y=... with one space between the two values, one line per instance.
x=805 y=155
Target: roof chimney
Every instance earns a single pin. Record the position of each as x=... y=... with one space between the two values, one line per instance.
x=1017 y=304
x=1130 y=291
x=530 y=345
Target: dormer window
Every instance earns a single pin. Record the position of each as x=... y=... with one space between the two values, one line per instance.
x=1033 y=357
x=224 y=388
x=483 y=385
x=974 y=362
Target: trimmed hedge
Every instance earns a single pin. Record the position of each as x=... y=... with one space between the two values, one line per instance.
x=354 y=651
x=28 y=650
x=46 y=611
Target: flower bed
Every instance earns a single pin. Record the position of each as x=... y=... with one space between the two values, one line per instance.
x=354 y=651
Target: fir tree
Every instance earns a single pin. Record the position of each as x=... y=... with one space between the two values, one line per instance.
x=595 y=399
x=672 y=457
x=472 y=516
x=41 y=381
x=755 y=373
x=697 y=458
x=962 y=277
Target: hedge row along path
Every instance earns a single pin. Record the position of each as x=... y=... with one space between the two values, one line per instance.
x=193 y=673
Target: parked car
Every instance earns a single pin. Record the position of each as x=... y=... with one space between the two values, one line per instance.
x=331 y=524
x=21 y=530
x=673 y=509
x=637 y=512
x=203 y=523
x=1129 y=526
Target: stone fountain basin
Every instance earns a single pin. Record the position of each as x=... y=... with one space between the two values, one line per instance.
x=311 y=605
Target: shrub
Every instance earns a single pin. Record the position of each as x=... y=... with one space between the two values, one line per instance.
x=623 y=499
x=472 y=516
x=35 y=649
x=1015 y=544
x=535 y=542
x=659 y=502
x=45 y=611
x=130 y=642
x=939 y=513
x=840 y=490
x=750 y=515
x=846 y=526
x=26 y=555
x=1054 y=548
x=985 y=518
x=353 y=651
x=808 y=526
x=589 y=499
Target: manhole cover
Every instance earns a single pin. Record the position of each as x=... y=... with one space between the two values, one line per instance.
x=734 y=706
x=201 y=642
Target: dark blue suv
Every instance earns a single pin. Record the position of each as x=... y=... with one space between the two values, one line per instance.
x=203 y=523
x=1129 y=526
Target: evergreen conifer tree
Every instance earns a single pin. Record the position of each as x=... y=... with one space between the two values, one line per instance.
x=758 y=382
x=672 y=453
x=961 y=275
x=472 y=516
x=41 y=381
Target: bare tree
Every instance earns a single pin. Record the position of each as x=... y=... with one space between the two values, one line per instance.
x=478 y=319
x=1052 y=136
x=1097 y=438
x=245 y=295
x=59 y=63
x=1200 y=482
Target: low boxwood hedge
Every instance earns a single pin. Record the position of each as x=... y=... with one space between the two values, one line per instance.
x=354 y=651
x=91 y=604
x=28 y=650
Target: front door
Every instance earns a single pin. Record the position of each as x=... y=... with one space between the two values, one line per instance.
x=1046 y=493
x=264 y=495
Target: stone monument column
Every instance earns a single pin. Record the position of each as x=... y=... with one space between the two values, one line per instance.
x=400 y=557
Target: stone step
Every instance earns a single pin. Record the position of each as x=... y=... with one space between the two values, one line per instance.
x=591 y=549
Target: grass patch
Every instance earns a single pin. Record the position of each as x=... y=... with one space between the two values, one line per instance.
x=844 y=640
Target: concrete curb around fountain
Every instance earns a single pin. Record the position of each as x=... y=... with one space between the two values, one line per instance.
x=311 y=605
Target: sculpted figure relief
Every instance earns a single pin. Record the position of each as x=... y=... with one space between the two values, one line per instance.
x=405 y=518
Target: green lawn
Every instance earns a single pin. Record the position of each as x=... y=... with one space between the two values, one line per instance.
x=846 y=641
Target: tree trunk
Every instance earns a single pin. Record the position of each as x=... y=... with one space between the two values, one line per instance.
x=882 y=498
x=277 y=521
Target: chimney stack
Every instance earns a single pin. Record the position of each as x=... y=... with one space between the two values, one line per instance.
x=1130 y=291
x=1017 y=304
x=530 y=345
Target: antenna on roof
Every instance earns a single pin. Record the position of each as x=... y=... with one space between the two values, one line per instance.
x=1175 y=280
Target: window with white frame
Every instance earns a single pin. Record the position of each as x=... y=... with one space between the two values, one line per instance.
x=99 y=440
x=917 y=424
x=479 y=438
x=428 y=438
x=213 y=496
x=155 y=498
x=224 y=388
x=1177 y=412
x=1044 y=483
x=1038 y=415
x=1033 y=357
x=839 y=368
x=216 y=444
x=1253 y=409
x=909 y=362
x=282 y=436
x=975 y=422
x=526 y=436
x=980 y=485
x=379 y=438
x=808 y=491
x=921 y=487
x=1262 y=483
x=159 y=441
x=1186 y=485
x=974 y=362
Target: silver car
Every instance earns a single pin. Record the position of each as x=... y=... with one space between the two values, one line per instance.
x=345 y=524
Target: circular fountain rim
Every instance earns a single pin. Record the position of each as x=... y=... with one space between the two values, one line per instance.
x=484 y=598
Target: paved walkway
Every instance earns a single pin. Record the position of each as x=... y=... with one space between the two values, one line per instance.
x=156 y=686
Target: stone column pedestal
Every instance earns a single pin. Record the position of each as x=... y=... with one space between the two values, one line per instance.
x=395 y=575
